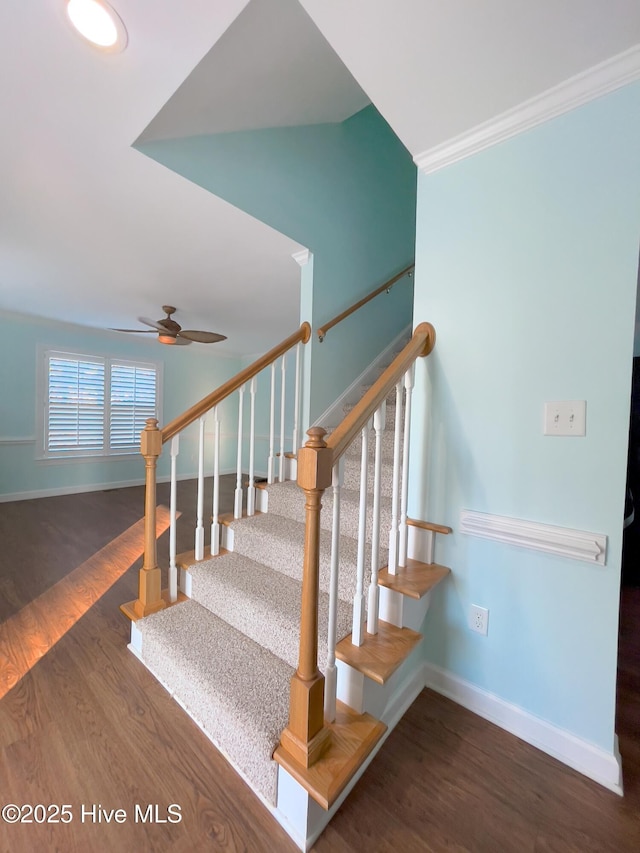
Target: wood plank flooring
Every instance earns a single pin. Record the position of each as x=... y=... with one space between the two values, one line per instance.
x=88 y=725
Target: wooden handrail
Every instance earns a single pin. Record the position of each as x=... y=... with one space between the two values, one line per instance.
x=421 y=343
x=322 y=331
x=177 y=424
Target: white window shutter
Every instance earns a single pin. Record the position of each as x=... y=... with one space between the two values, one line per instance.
x=133 y=400
x=75 y=405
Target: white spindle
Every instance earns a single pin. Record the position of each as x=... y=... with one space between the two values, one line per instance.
x=282 y=402
x=237 y=505
x=215 y=524
x=199 y=543
x=272 y=426
x=330 y=675
x=402 y=530
x=251 y=490
x=359 y=597
x=393 y=532
x=296 y=404
x=374 y=592
x=173 y=571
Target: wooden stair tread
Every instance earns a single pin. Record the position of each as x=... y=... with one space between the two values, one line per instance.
x=353 y=736
x=188 y=558
x=380 y=654
x=415 y=579
x=131 y=614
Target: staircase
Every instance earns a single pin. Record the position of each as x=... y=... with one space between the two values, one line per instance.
x=228 y=650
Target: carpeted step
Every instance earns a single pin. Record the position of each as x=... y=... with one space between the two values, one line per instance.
x=278 y=542
x=262 y=603
x=235 y=689
x=287 y=499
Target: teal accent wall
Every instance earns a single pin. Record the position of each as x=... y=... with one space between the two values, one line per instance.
x=188 y=375
x=527 y=262
x=347 y=192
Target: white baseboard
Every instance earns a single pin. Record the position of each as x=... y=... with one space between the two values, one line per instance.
x=590 y=760
x=92 y=487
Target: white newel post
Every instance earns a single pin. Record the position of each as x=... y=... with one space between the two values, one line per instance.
x=330 y=675
x=359 y=597
x=237 y=505
x=199 y=543
x=374 y=592
x=215 y=510
x=402 y=531
x=251 y=491
x=173 y=571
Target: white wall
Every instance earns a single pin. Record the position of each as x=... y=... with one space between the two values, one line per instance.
x=527 y=260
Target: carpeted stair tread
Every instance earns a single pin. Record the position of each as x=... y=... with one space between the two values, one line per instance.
x=262 y=603
x=278 y=542
x=288 y=499
x=235 y=689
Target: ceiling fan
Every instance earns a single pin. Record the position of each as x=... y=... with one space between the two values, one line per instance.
x=170 y=332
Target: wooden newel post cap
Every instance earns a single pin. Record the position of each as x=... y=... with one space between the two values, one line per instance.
x=151 y=439
x=315 y=461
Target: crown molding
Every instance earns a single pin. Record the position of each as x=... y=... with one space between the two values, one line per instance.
x=620 y=70
x=301 y=257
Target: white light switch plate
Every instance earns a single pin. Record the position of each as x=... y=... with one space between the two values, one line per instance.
x=568 y=417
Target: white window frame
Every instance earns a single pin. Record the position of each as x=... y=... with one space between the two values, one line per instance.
x=42 y=420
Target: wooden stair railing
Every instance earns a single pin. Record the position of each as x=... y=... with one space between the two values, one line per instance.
x=307 y=734
x=150 y=597
x=386 y=287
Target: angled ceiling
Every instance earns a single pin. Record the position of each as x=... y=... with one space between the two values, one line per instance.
x=94 y=232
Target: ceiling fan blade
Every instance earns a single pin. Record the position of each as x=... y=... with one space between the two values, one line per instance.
x=137 y=331
x=152 y=323
x=181 y=342
x=201 y=337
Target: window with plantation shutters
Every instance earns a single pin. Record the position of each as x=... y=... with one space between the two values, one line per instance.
x=133 y=400
x=96 y=406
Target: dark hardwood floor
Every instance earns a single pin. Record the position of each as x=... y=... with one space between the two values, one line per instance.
x=88 y=725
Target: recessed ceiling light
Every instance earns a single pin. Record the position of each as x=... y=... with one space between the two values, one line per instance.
x=98 y=23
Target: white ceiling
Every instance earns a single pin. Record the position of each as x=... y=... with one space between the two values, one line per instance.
x=93 y=232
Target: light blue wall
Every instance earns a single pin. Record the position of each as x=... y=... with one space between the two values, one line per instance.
x=347 y=191
x=527 y=259
x=188 y=374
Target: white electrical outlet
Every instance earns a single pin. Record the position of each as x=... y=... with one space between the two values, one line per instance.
x=479 y=619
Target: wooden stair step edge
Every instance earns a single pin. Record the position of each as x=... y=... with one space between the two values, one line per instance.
x=131 y=614
x=428 y=525
x=380 y=654
x=415 y=579
x=353 y=737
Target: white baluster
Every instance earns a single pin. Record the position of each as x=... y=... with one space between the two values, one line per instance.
x=199 y=543
x=403 y=530
x=393 y=532
x=237 y=505
x=374 y=592
x=215 y=524
x=296 y=404
x=330 y=675
x=272 y=425
x=282 y=401
x=173 y=571
x=359 y=597
x=251 y=490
